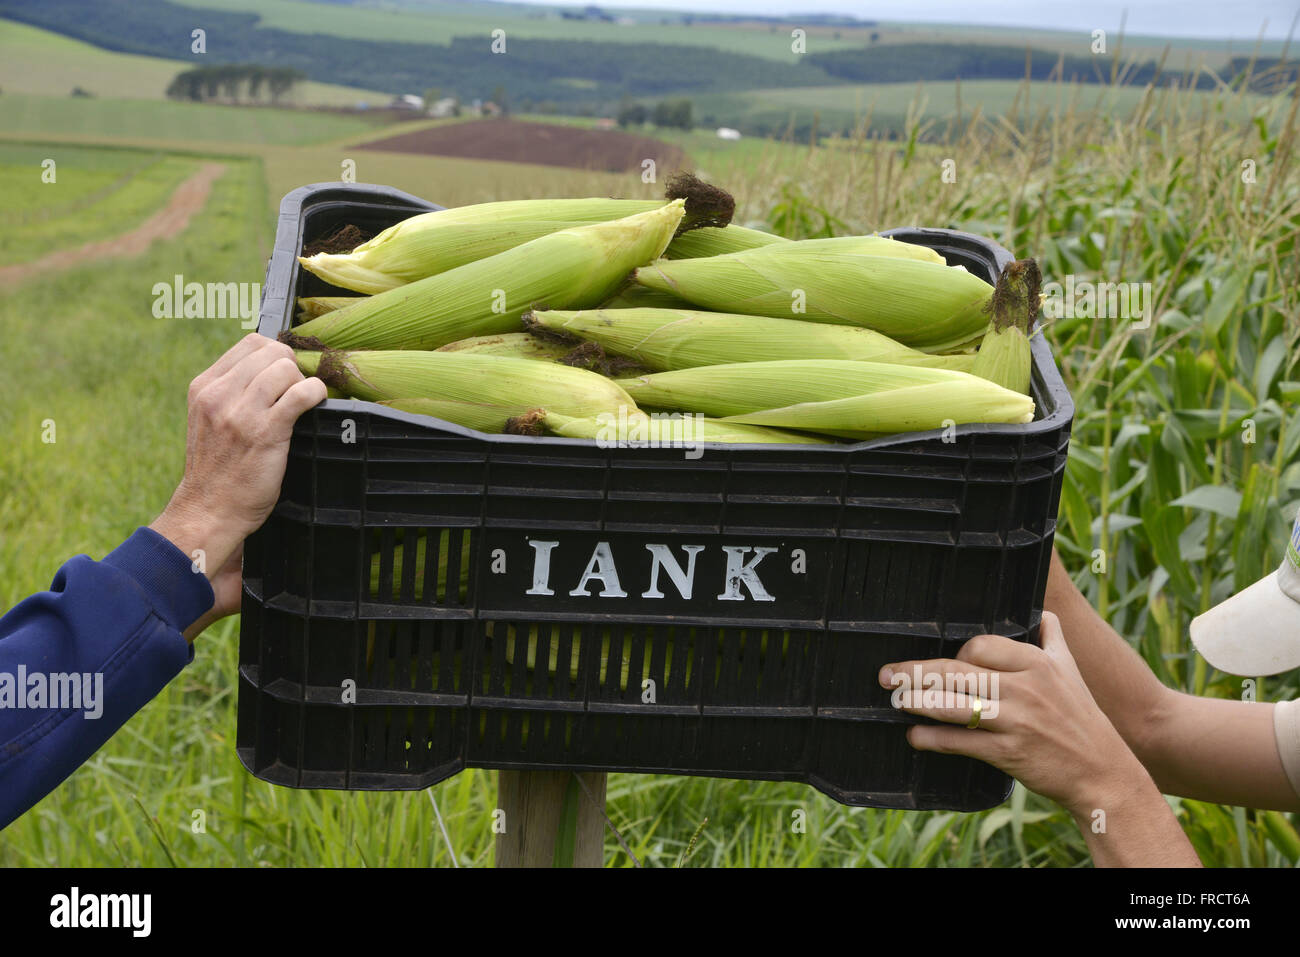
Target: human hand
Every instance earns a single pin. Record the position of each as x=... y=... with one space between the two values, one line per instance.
x=241 y=415
x=1039 y=721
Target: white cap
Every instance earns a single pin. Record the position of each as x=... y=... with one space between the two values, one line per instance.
x=1256 y=631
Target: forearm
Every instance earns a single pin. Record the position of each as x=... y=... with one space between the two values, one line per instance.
x=1120 y=681
x=1218 y=750
x=1132 y=825
x=77 y=661
x=1203 y=748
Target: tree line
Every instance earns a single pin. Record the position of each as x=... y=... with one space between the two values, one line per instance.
x=666 y=113
x=229 y=81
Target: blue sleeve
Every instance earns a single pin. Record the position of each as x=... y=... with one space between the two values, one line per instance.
x=78 y=660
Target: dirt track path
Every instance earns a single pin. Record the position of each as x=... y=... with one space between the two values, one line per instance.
x=187 y=199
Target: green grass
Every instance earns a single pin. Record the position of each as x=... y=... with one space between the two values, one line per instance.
x=195 y=122
x=33 y=60
x=95 y=195
x=90 y=171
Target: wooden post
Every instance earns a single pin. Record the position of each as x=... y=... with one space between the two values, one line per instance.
x=541 y=805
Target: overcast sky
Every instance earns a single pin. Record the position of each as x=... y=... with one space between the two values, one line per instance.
x=1220 y=19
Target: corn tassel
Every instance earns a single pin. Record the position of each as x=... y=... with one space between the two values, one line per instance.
x=577 y=267
x=1004 y=355
x=924 y=305
x=845 y=396
x=667 y=339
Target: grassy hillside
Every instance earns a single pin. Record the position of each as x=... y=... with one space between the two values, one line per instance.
x=38 y=61
x=36 y=115
x=438 y=22
x=434 y=21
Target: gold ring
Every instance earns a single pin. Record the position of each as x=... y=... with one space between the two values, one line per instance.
x=976 y=710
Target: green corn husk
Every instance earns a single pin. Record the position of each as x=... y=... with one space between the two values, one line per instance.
x=637 y=428
x=667 y=339
x=1004 y=355
x=577 y=267
x=497 y=387
x=871 y=245
x=436 y=242
x=401 y=258
x=480 y=416
x=634 y=296
x=520 y=345
x=850 y=397
x=309 y=307
x=924 y=305
x=715 y=241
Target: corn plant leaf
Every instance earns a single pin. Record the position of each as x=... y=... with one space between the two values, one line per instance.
x=1164 y=524
x=1249 y=541
x=1218 y=499
x=1267 y=367
x=1225 y=299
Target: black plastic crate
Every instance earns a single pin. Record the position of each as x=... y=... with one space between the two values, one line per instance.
x=418 y=562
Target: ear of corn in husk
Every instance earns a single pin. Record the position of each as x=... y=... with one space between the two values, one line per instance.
x=432 y=243
x=488 y=390
x=1004 y=355
x=924 y=305
x=577 y=267
x=666 y=339
x=636 y=428
x=909 y=409
x=401 y=258
x=520 y=345
x=872 y=245
x=715 y=241
x=844 y=396
x=480 y=416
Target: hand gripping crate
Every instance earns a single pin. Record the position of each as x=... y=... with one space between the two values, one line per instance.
x=426 y=598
